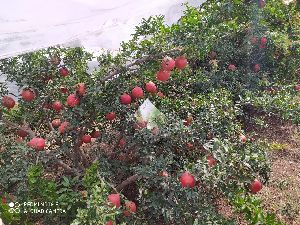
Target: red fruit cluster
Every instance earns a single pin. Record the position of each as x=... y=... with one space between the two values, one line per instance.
x=27 y=95
x=187 y=180
x=8 y=102
x=37 y=143
x=169 y=64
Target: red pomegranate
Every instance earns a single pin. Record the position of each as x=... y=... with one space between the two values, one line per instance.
x=255 y=186
x=64 y=71
x=110 y=223
x=137 y=92
x=27 y=95
x=56 y=123
x=243 y=138
x=131 y=208
x=37 y=143
x=63 y=127
x=187 y=180
x=72 y=100
x=22 y=133
x=163 y=75
x=253 y=40
x=81 y=88
x=160 y=94
x=150 y=87
x=263 y=41
x=232 y=67
x=181 y=62
x=86 y=138
x=297 y=87
x=57 y=106
x=256 y=68
x=122 y=142
x=95 y=134
x=115 y=199
x=125 y=99
x=168 y=64
x=110 y=116
x=164 y=174
x=211 y=161
x=8 y=102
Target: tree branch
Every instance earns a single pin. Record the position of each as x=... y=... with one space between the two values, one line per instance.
x=138 y=62
x=66 y=167
x=128 y=181
x=17 y=126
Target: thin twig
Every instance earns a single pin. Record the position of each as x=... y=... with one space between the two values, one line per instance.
x=137 y=62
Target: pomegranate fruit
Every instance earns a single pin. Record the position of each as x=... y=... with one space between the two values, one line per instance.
x=168 y=64
x=131 y=208
x=115 y=199
x=232 y=67
x=125 y=99
x=86 y=138
x=81 y=88
x=57 y=106
x=255 y=186
x=256 y=68
x=37 y=143
x=8 y=102
x=95 y=134
x=28 y=95
x=187 y=180
x=56 y=123
x=163 y=75
x=110 y=116
x=64 y=71
x=137 y=92
x=181 y=62
x=150 y=87
x=72 y=100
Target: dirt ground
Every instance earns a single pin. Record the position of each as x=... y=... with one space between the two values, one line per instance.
x=282 y=194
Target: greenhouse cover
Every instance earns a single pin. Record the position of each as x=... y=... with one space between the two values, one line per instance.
x=34 y=24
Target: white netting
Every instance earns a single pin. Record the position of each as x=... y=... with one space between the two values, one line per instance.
x=34 y=24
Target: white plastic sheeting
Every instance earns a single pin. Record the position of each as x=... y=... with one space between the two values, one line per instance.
x=28 y=25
